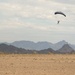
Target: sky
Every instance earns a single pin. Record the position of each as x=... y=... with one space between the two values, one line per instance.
x=34 y=20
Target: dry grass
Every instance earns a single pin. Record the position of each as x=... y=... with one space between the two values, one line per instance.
x=35 y=64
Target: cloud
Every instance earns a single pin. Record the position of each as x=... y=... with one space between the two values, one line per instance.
x=38 y=16
x=65 y=1
x=35 y=9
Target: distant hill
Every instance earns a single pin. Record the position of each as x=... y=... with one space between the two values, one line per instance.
x=12 y=49
x=66 y=49
x=58 y=45
x=46 y=51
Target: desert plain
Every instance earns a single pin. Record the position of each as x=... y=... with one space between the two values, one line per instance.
x=37 y=64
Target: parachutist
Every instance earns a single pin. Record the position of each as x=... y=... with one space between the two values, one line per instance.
x=61 y=13
x=58 y=22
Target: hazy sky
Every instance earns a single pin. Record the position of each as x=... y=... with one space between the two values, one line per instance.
x=34 y=20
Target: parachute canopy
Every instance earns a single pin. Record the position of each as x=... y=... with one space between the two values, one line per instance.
x=58 y=12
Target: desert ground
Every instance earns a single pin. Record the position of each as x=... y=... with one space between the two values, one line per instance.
x=37 y=64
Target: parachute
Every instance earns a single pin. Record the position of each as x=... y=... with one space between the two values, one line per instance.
x=61 y=13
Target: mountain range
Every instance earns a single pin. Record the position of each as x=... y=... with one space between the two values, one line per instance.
x=39 y=45
x=4 y=48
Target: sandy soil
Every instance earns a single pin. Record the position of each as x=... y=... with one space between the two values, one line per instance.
x=35 y=64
